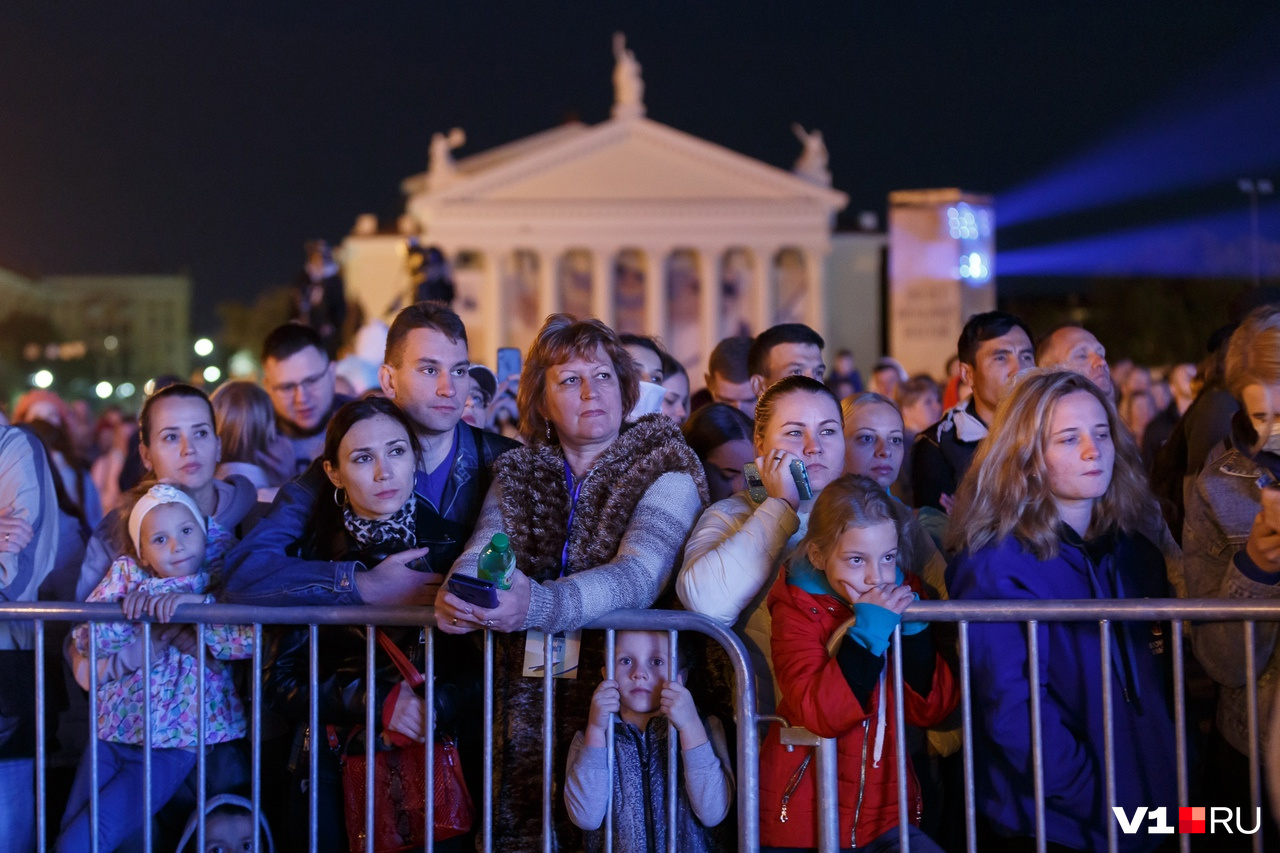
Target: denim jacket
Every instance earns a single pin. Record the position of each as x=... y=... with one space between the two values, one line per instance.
x=264 y=568
x=1221 y=506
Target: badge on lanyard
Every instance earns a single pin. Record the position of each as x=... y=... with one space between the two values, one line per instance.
x=564 y=654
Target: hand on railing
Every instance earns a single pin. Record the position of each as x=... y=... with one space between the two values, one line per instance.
x=455 y=616
x=393 y=582
x=605 y=702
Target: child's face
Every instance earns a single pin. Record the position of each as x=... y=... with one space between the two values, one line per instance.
x=228 y=833
x=640 y=668
x=172 y=543
x=861 y=559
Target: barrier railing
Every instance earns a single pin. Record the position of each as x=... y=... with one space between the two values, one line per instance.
x=372 y=617
x=1029 y=614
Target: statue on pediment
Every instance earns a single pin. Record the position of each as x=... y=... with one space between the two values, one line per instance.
x=440 y=165
x=628 y=85
x=813 y=161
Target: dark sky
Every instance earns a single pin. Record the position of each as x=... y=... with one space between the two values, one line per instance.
x=217 y=137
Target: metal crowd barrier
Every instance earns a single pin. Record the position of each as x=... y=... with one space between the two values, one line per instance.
x=1030 y=614
x=371 y=616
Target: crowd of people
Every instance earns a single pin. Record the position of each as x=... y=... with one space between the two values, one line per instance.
x=781 y=499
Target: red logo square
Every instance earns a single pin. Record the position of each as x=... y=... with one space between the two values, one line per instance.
x=1191 y=820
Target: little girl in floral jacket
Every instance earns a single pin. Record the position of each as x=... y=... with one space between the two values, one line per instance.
x=168 y=534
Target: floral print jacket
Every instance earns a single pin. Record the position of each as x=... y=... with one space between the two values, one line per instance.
x=121 y=701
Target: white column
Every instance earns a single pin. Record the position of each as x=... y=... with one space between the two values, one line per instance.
x=657 y=315
x=602 y=301
x=815 y=288
x=548 y=290
x=710 y=322
x=491 y=305
x=763 y=299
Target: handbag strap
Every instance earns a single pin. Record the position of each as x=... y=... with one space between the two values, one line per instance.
x=408 y=670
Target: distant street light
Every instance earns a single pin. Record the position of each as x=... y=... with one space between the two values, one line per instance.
x=103 y=390
x=212 y=374
x=42 y=379
x=1254 y=187
x=204 y=347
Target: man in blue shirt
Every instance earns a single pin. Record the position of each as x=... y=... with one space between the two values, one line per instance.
x=426 y=373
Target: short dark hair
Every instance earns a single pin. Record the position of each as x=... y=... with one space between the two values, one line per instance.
x=177 y=390
x=1043 y=343
x=291 y=339
x=783 y=333
x=641 y=341
x=984 y=327
x=671 y=367
x=352 y=413
x=713 y=425
x=422 y=315
x=731 y=359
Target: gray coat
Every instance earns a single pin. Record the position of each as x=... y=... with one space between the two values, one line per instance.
x=1221 y=506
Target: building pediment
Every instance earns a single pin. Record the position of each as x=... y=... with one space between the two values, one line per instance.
x=621 y=160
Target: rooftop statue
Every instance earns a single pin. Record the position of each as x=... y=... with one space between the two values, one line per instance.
x=628 y=85
x=440 y=165
x=813 y=160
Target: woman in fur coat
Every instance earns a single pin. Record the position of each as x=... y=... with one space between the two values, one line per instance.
x=597 y=513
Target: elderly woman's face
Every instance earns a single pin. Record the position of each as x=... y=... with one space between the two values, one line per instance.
x=583 y=399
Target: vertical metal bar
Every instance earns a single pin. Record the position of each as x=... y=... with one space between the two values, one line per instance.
x=1251 y=700
x=146 y=737
x=255 y=748
x=201 y=735
x=487 y=799
x=548 y=752
x=313 y=737
x=825 y=756
x=370 y=691
x=429 y=698
x=93 y=739
x=610 y=673
x=966 y=735
x=42 y=803
x=900 y=740
x=1108 y=732
x=1180 y=725
x=1037 y=736
x=673 y=744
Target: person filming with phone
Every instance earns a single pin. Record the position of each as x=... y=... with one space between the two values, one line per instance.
x=731 y=560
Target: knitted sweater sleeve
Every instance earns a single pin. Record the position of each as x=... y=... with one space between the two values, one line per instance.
x=636 y=575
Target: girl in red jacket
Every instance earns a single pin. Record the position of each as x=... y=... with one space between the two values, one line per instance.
x=834 y=677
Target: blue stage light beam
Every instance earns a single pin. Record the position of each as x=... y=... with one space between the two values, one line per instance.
x=1216 y=246
x=1179 y=146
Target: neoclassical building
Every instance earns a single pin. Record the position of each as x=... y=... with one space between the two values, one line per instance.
x=628 y=220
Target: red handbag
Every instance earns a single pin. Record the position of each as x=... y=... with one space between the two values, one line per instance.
x=399 y=779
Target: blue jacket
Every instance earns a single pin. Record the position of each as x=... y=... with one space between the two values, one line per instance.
x=265 y=567
x=1076 y=813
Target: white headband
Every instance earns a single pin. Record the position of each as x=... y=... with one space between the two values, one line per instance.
x=159 y=496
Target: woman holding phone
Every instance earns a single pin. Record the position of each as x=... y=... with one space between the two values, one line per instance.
x=370 y=458
x=731 y=559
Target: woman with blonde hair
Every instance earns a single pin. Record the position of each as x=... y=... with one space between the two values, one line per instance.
x=1055 y=506
x=251 y=446
x=1231 y=536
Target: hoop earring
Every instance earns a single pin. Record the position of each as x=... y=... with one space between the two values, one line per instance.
x=339 y=498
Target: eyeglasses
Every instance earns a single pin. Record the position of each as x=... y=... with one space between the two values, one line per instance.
x=309 y=384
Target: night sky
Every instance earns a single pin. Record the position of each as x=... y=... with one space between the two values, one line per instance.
x=216 y=138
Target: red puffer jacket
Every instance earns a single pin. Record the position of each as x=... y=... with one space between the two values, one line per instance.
x=816 y=695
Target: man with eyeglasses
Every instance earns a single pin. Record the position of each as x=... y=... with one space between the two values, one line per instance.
x=299 y=375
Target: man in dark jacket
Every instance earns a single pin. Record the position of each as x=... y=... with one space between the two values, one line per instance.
x=426 y=373
x=992 y=348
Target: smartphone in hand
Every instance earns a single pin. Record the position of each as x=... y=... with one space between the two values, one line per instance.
x=800 y=474
x=475 y=591
x=755 y=486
